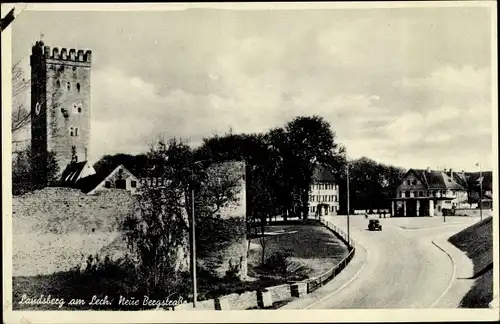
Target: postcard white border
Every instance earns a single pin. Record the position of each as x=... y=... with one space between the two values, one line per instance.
x=290 y=316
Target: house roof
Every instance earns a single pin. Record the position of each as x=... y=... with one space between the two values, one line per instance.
x=321 y=173
x=72 y=172
x=437 y=179
x=89 y=183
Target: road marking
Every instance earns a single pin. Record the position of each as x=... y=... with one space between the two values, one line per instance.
x=453 y=275
x=347 y=283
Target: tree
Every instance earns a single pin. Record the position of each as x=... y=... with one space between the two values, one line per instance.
x=215 y=187
x=33 y=172
x=253 y=150
x=21 y=116
x=137 y=164
x=371 y=183
x=156 y=234
x=311 y=141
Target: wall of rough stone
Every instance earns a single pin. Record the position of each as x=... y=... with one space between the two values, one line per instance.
x=53 y=227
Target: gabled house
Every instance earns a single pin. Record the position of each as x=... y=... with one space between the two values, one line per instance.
x=118 y=178
x=428 y=192
x=324 y=193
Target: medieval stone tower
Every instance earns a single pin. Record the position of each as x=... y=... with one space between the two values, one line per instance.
x=60 y=104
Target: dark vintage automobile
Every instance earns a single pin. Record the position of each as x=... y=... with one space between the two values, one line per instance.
x=374 y=225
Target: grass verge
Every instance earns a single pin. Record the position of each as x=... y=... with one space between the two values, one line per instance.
x=477 y=242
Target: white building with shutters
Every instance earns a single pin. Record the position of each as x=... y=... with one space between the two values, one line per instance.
x=323 y=194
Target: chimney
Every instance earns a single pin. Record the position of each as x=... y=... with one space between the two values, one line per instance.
x=428 y=169
x=451 y=173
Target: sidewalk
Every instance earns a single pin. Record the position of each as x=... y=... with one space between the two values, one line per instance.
x=336 y=284
x=462 y=268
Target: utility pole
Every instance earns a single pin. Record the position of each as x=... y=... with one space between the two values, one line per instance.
x=348 y=205
x=193 y=248
x=480 y=192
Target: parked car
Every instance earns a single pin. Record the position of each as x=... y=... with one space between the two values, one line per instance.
x=374 y=225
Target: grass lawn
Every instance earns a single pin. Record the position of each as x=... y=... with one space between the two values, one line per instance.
x=314 y=246
x=477 y=242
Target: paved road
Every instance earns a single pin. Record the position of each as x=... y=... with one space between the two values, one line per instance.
x=404 y=268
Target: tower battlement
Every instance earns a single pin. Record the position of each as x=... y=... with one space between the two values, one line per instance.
x=63 y=54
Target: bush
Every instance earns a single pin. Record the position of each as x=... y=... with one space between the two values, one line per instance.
x=280 y=263
x=232 y=274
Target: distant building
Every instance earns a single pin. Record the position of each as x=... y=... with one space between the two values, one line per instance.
x=474 y=181
x=428 y=192
x=81 y=175
x=324 y=193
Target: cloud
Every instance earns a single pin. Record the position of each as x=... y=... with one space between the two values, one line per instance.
x=399 y=85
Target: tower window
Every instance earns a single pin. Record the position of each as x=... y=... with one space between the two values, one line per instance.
x=78 y=87
x=58 y=84
x=73 y=131
x=74 y=68
x=69 y=86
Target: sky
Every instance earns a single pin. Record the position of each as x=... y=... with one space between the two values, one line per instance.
x=409 y=87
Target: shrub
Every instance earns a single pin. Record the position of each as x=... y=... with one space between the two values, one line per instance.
x=280 y=263
x=232 y=274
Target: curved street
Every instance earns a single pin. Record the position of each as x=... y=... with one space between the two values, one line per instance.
x=403 y=269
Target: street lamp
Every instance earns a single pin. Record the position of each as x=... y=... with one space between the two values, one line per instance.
x=193 y=236
x=348 y=203
x=480 y=191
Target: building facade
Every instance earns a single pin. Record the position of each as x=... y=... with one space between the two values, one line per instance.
x=428 y=193
x=60 y=104
x=324 y=193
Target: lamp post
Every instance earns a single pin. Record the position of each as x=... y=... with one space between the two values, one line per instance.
x=348 y=204
x=480 y=191
x=193 y=236
x=193 y=249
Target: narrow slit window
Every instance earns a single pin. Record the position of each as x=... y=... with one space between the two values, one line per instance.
x=71 y=133
x=76 y=131
x=78 y=87
x=58 y=84
x=69 y=86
